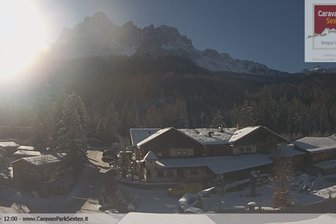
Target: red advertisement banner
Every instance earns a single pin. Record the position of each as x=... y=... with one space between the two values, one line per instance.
x=324 y=17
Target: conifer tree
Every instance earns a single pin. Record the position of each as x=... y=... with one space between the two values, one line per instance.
x=71 y=135
x=109 y=124
x=217 y=120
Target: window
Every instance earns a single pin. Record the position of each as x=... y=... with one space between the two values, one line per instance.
x=320 y=157
x=182 y=153
x=194 y=171
x=248 y=149
x=160 y=173
x=235 y=151
x=148 y=175
x=170 y=173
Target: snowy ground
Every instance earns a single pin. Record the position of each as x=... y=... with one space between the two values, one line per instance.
x=158 y=201
x=95 y=157
x=228 y=218
x=85 y=195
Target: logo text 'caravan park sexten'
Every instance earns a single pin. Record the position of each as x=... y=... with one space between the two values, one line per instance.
x=320 y=31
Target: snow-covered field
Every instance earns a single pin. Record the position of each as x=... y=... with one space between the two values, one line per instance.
x=158 y=201
x=144 y=218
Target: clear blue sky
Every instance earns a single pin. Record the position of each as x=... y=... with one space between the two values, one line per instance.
x=265 y=31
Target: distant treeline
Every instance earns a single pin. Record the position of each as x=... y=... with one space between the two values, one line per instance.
x=120 y=93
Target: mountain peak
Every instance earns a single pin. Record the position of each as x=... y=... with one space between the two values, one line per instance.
x=129 y=23
x=99 y=19
x=168 y=29
x=99 y=36
x=129 y=26
x=100 y=16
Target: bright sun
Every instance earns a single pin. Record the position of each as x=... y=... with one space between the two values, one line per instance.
x=22 y=38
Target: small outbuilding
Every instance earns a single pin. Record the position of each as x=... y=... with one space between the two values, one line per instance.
x=25 y=153
x=318 y=149
x=9 y=147
x=30 y=172
x=27 y=148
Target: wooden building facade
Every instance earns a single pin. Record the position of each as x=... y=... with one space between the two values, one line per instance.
x=198 y=155
x=170 y=142
x=30 y=172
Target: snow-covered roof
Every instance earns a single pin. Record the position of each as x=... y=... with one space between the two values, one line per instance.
x=139 y=134
x=8 y=145
x=26 y=153
x=41 y=160
x=218 y=164
x=26 y=147
x=156 y=134
x=202 y=135
x=244 y=162
x=242 y=132
x=325 y=165
x=316 y=144
x=288 y=150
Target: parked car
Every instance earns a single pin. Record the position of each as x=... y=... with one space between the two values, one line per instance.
x=129 y=154
x=181 y=189
x=194 y=203
x=109 y=152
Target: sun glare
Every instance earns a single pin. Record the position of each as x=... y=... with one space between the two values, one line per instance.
x=23 y=36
